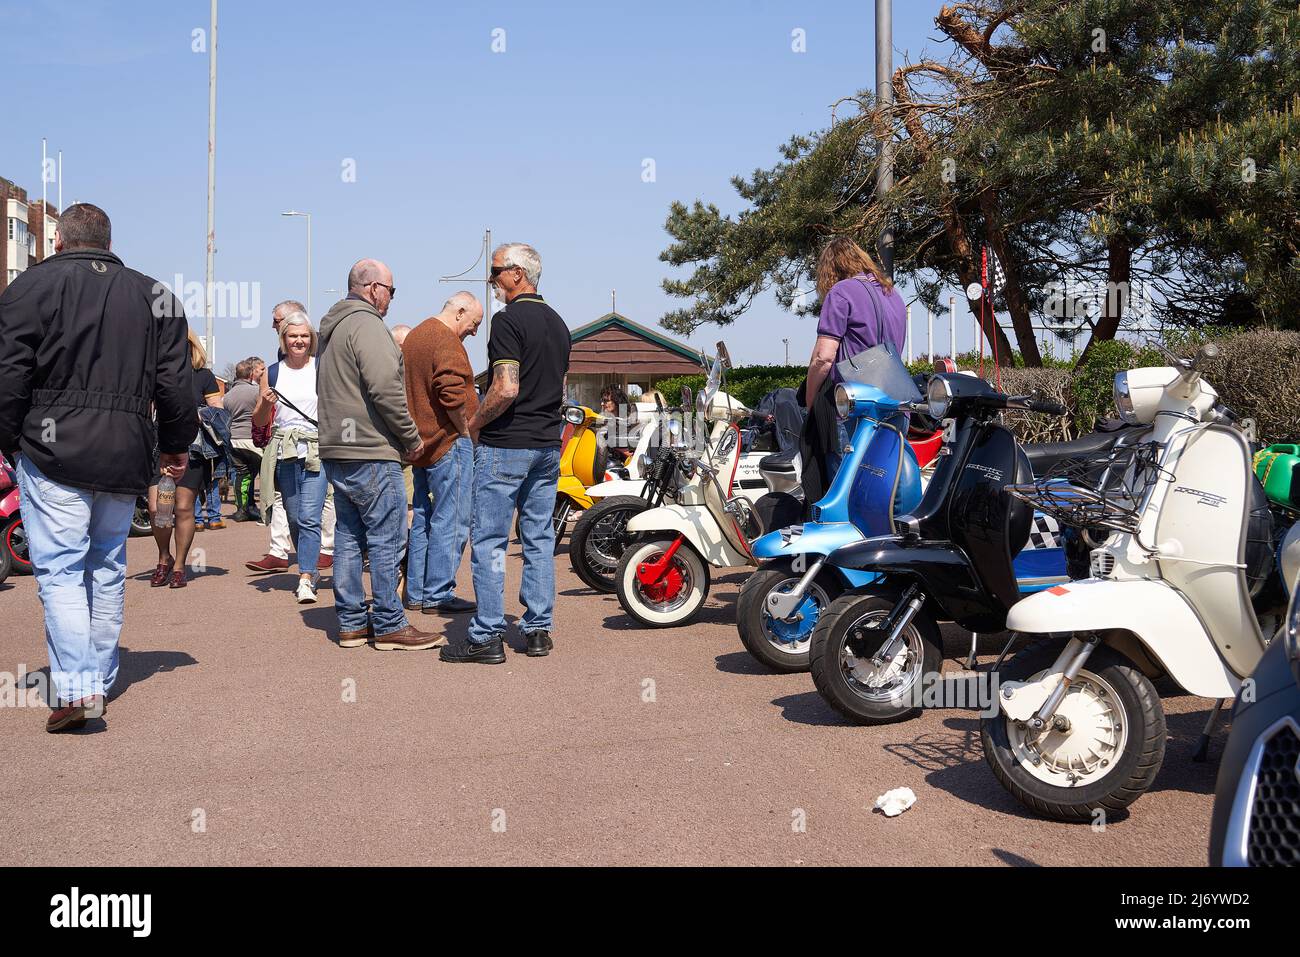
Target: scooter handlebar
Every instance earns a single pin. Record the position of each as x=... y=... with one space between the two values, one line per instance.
x=1035 y=403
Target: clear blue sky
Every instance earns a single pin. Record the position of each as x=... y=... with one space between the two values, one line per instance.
x=544 y=142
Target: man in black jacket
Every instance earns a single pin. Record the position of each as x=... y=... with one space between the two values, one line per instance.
x=86 y=346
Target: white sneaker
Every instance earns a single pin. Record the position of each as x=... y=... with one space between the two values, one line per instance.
x=306 y=594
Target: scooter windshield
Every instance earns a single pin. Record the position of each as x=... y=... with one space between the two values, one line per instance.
x=881 y=367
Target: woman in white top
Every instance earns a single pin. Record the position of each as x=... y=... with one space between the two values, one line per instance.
x=291 y=461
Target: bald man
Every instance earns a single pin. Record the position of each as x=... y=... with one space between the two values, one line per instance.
x=440 y=393
x=366 y=432
x=400 y=333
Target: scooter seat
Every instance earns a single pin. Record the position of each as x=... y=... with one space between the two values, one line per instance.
x=1045 y=456
x=779 y=461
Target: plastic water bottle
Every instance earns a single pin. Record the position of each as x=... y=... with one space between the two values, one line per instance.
x=165 y=514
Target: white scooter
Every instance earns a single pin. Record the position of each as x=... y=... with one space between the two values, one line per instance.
x=663 y=575
x=1080 y=731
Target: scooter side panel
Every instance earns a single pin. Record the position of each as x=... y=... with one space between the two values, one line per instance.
x=699 y=527
x=1159 y=617
x=875 y=482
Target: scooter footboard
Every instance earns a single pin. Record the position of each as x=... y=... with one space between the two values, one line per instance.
x=1155 y=615
x=941 y=568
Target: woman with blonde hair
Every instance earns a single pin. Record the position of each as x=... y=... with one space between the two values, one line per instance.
x=860 y=309
x=291 y=461
x=198 y=477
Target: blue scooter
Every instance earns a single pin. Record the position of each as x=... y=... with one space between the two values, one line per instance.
x=781 y=602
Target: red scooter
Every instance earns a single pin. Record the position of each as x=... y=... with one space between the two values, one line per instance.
x=13 y=538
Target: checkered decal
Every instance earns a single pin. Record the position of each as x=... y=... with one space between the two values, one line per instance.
x=1045 y=532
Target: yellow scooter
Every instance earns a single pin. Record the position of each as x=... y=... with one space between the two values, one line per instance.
x=582 y=464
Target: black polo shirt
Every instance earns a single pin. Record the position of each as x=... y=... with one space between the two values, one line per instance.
x=530 y=334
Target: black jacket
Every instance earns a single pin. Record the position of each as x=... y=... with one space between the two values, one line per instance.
x=85 y=346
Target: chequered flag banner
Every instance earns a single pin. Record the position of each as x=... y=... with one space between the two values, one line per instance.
x=1045 y=532
x=997 y=278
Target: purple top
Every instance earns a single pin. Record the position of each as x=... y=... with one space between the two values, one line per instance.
x=861 y=314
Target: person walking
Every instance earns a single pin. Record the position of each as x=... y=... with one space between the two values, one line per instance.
x=860 y=309
x=171 y=569
x=366 y=432
x=440 y=394
x=276 y=558
x=87 y=346
x=246 y=457
x=291 y=462
x=517 y=460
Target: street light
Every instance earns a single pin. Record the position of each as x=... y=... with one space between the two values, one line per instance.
x=294 y=212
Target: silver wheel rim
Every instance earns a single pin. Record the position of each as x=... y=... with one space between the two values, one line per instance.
x=605 y=532
x=1091 y=747
x=890 y=681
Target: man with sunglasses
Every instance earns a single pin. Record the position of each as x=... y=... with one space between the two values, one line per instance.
x=517 y=460
x=366 y=432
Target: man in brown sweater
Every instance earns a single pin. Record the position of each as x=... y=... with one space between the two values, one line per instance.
x=440 y=394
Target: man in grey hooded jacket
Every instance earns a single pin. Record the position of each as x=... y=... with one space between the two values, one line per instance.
x=366 y=432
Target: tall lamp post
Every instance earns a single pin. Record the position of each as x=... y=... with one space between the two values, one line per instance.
x=212 y=179
x=294 y=212
x=884 y=100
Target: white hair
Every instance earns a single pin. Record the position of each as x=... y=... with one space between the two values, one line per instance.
x=525 y=257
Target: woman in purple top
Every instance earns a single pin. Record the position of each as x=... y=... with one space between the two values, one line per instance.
x=860 y=309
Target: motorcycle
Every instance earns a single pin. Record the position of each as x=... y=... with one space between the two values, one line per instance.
x=950 y=559
x=1079 y=730
x=662 y=578
x=582 y=461
x=600 y=534
x=8 y=510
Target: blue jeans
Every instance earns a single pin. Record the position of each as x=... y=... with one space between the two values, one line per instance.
x=77 y=542
x=506 y=481
x=370 y=514
x=210 y=511
x=835 y=458
x=303 y=494
x=444 y=493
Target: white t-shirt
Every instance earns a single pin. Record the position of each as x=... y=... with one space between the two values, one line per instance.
x=299 y=387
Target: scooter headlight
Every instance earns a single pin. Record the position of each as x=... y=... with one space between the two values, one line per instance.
x=843 y=404
x=939 y=397
x=1123 y=399
x=574 y=415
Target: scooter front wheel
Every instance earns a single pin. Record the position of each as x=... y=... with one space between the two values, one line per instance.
x=6 y=564
x=600 y=537
x=782 y=645
x=13 y=538
x=1102 y=751
x=864 y=691
x=678 y=594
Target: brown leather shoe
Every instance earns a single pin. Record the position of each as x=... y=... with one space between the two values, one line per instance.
x=408 y=639
x=268 y=563
x=324 y=562
x=178 y=579
x=354 y=639
x=162 y=574
x=73 y=717
x=217 y=524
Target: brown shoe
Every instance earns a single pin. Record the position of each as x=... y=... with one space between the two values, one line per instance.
x=408 y=639
x=217 y=524
x=324 y=562
x=268 y=563
x=354 y=639
x=73 y=717
x=178 y=579
x=162 y=573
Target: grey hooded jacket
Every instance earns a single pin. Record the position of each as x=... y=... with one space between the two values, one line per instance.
x=360 y=389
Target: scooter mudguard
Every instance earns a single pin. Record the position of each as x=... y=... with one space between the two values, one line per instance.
x=9 y=502
x=1160 y=618
x=816 y=539
x=575 y=491
x=698 y=525
x=616 y=487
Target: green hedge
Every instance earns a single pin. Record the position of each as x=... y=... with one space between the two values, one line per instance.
x=1257 y=374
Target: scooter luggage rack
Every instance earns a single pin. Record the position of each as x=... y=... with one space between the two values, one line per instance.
x=1100 y=491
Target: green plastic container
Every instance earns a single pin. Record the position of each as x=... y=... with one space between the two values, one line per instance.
x=1278 y=470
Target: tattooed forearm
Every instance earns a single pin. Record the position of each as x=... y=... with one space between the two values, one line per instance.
x=500 y=396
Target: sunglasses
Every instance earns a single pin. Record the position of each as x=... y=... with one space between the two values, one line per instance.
x=392 y=290
x=498 y=270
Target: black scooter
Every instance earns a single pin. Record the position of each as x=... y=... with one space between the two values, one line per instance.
x=950 y=561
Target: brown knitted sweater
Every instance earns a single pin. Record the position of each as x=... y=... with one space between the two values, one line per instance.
x=438 y=378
